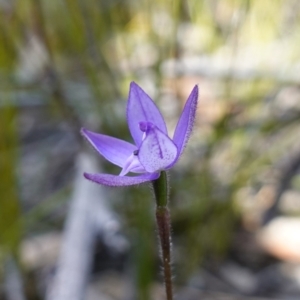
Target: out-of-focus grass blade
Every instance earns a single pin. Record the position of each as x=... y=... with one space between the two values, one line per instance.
x=10 y=215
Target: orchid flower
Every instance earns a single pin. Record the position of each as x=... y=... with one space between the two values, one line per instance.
x=154 y=151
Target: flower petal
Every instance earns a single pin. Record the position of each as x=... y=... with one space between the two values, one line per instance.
x=186 y=121
x=132 y=165
x=114 y=150
x=113 y=180
x=157 y=151
x=141 y=108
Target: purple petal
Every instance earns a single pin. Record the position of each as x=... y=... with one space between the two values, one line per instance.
x=157 y=151
x=132 y=165
x=186 y=121
x=141 y=108
x=114 y=150
x=113 y=180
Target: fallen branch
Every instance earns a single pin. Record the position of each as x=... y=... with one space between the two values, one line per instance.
x=88 y=216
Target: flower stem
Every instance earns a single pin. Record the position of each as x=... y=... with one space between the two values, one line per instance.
x=160 y=186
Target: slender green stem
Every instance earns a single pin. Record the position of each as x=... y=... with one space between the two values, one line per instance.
x=161 y=189
x=160 y=186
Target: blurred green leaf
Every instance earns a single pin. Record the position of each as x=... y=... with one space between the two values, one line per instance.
x=10 y=214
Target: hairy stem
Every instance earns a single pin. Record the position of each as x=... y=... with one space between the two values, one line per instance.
x=164 y=229
x=163 y=224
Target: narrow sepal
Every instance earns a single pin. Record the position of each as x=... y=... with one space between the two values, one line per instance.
x=186 y=121
x=141 y=108
x=114 y=180
x=114 y=150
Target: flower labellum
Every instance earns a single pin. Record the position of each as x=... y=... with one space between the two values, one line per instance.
x=154 y=151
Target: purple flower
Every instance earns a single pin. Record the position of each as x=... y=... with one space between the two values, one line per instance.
x=153 y=151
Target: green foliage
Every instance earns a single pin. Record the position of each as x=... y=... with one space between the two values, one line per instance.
x=137 y=207
x=10 y=215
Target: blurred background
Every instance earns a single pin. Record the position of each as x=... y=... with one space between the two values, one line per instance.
x=235 y=194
